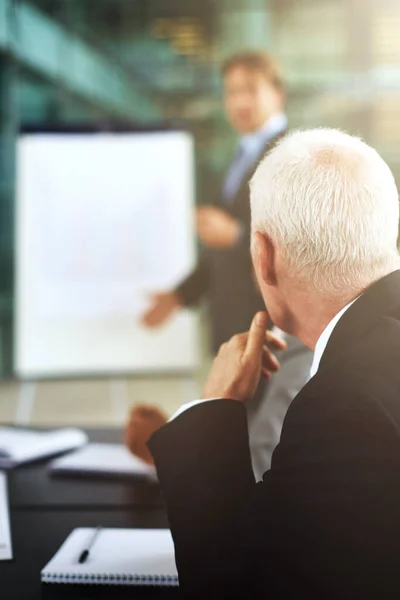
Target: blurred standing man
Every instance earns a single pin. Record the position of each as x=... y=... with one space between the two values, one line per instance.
x=254 y=105
x=254 y=100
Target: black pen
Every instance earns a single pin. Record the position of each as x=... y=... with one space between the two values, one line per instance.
x=85 y=553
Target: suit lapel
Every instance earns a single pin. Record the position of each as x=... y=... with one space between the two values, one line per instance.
x=379 y=300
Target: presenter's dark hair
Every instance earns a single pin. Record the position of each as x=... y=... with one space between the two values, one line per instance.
x=256 y=60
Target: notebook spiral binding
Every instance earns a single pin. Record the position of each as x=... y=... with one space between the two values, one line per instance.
x=102 y=578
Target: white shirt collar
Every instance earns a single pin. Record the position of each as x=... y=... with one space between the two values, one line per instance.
x=324 y=338
x=254 y=141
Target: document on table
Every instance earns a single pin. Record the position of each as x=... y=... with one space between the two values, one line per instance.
x=109 y=460
x=5 y=532
x=19 y=446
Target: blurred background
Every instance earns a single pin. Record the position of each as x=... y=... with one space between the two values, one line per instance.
x=65 y=62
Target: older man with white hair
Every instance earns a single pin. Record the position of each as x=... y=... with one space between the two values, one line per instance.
x=325 y=520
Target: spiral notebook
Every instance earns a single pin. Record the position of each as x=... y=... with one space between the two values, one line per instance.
x=117 y=557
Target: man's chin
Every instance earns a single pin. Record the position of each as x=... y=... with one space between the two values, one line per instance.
x=243 y=127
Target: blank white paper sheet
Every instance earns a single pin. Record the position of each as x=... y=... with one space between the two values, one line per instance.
x=5 y=530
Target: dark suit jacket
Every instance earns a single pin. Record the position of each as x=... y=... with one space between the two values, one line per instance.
x=325 y=520
x=226 y=276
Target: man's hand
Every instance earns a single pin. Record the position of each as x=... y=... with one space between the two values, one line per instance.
x=143 y=422
x=217 y=229
x=240 y=363
x=162 y=306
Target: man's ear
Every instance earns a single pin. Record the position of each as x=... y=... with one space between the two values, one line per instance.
x=264 y=256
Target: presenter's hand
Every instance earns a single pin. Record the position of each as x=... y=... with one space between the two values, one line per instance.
x=162 y=306
x=240 y=363
x=143 y=422
x=216 y=228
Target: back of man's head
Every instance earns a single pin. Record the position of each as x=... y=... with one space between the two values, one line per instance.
x=329 y=202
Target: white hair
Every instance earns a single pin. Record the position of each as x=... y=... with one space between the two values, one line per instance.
x=330 y=203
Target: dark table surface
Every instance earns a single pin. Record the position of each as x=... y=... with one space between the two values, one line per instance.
x=45 y=510
x=32 y=485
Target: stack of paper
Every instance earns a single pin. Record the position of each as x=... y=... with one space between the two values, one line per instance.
x=104 y=460
x=18 y=446
x=5 y=534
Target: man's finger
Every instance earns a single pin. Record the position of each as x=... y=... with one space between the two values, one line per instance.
x=275 y=341
x=265 y=374
x=269 y=360
x=256 y=337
